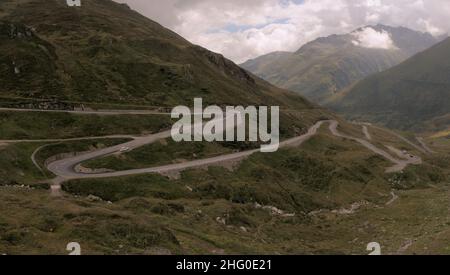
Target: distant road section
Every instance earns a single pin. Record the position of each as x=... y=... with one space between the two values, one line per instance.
x=90 y=112
x=8 y=141
x=400 y=163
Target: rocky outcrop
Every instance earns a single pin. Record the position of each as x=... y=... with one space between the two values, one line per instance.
x=16 y=31
x=226 y=66
x=41 y=105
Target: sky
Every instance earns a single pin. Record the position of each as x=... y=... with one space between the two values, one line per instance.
x=245 y=29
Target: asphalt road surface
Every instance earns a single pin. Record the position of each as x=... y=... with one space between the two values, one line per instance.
x=65 y=169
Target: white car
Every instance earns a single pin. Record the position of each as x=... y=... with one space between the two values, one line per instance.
x=124 y=149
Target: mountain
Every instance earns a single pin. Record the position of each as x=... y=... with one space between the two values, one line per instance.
x=414 y=95
x=321 y=68
x=105 y=52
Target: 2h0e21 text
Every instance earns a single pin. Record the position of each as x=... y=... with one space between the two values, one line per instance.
x=205 y=266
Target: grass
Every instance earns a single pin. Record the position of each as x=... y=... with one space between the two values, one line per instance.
x=147 y=223
x=142 y=226
x=17 y=167
x=159 y=153
x=150 y=214
x=117 y=189
x=20 y=102
x=289 y=179
x=442 y=134
x=42 y=225
x=16 y=125
x=130 y=60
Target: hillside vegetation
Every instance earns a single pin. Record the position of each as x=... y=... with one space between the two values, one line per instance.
x=414 y=95
x=106 y=52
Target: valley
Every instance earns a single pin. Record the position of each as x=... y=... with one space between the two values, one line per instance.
x=409 y=96
x=322 y=68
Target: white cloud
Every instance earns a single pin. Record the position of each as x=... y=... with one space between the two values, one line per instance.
x=245 y=29
x=370 y=38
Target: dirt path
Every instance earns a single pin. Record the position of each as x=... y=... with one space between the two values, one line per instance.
x=394 y=198
x=366 y=132
x=424 y=145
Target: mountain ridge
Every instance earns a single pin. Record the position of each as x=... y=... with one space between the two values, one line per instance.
x=106 y=52
x=326 y=65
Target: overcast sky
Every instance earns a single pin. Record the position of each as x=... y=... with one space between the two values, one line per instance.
x=244 y=29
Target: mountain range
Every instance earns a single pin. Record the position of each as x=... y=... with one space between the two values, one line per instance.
x=322 y=68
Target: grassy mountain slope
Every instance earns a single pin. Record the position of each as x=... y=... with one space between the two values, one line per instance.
x=413 y=95
x=106 y=52
x=323 y=67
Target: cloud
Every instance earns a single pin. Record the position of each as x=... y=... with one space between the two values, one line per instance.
x=246 y=29
x=370 y=38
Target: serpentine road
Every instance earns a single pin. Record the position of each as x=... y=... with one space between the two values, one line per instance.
x=65 y=170
x=399 y=163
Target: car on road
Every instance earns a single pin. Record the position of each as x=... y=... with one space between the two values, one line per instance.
x=124 y=149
